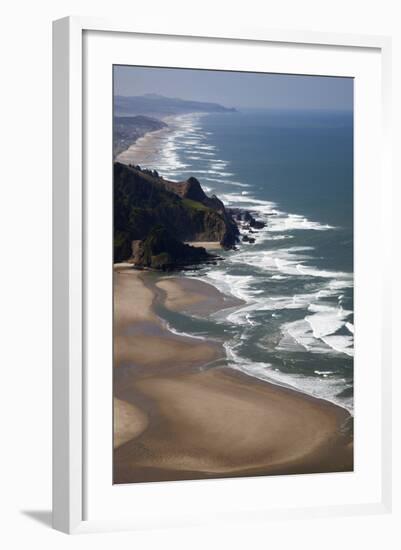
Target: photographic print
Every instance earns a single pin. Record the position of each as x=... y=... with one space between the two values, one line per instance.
x=233 y=274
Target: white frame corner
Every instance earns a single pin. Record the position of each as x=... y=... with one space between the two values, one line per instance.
x=68 y=251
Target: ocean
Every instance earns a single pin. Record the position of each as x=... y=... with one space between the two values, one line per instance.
x=293 y=170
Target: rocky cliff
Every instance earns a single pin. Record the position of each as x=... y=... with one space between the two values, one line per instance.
x=144 y=200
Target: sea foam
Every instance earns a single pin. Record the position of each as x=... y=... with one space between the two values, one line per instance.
x=323 y=326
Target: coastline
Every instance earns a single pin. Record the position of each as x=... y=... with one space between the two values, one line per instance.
x=180 y=413
x=146 y=146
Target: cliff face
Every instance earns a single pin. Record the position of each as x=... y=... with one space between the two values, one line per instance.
x=143 y=200
x=191 y=189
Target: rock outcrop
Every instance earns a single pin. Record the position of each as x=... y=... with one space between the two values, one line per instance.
x=162 y=251
x=144 y=200
x=246 y=218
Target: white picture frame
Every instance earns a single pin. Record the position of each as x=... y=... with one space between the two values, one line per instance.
x=70 y=424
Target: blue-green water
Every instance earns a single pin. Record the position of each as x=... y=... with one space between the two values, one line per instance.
x=294 y=170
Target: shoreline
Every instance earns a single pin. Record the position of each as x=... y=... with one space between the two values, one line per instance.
x=142 y=148
x=180 y=413
x=146 y=146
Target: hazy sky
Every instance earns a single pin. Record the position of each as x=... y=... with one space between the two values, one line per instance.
x=233 y=89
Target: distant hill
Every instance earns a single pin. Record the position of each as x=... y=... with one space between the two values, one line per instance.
x=158 y=105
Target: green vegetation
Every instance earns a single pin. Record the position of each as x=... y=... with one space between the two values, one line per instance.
x=195 y=205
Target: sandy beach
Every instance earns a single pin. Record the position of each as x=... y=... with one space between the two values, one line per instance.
x=193 y=296
x=209 y=245
x=147 y=147
x=179 y=413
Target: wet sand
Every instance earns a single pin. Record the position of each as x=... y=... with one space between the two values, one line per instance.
x=193 y=296
x=180 y=414
x=209 y=245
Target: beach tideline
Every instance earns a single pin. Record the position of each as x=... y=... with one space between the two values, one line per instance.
x=179 y=414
